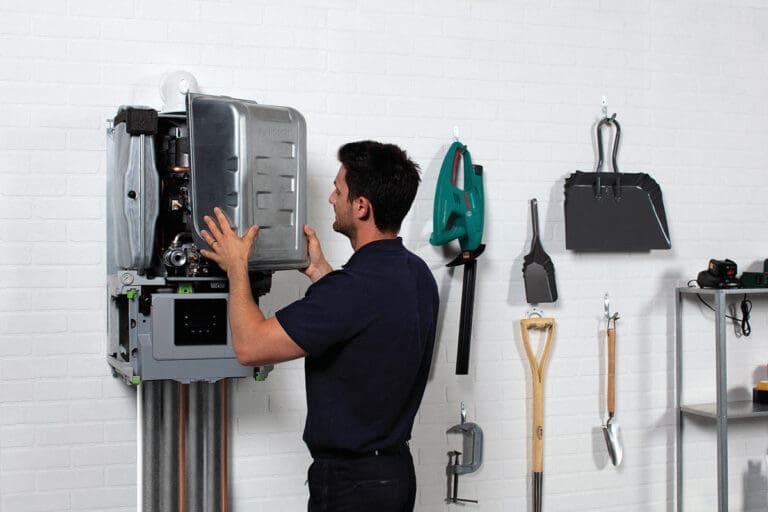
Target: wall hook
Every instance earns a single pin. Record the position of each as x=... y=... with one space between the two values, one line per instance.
x=607 y=305
x=534 y=312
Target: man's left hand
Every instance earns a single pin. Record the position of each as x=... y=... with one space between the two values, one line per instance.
x=227 y=249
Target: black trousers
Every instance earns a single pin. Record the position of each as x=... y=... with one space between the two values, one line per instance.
x=383 y=483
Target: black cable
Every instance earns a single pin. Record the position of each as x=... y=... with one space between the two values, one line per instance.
x=746 y=309
x=729 y=317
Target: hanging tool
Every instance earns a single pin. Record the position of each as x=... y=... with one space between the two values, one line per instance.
x=474 y=433
x=538 y=269
x=611 y=429
x=614 y=211
x=537 y=378
x=458 y=214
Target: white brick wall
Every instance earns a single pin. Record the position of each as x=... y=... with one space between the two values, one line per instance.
x=522 y=80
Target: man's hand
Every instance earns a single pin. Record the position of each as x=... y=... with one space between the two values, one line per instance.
x=318 y=265
x=256 y=340
x=228 y=250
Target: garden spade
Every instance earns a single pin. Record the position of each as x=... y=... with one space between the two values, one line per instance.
x=611 y=429
x=537 y=377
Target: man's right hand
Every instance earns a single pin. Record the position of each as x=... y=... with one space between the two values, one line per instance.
x=318 y=265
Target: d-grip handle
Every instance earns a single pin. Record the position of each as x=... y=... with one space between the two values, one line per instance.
x=617 y=185
x=537 y=377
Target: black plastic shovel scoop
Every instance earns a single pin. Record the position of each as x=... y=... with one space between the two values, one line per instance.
x=538 y=269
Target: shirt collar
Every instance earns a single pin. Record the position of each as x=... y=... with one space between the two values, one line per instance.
x=386 y=245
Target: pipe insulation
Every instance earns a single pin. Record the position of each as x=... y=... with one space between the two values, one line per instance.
x=169 y=447
x=212 y=448
x=194 y=456
x=139 y=449
x=182 y=446
x=182 y=479
x=150 y=427
x=224 y=451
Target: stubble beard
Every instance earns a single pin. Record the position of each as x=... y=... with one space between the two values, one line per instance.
x=344 y=229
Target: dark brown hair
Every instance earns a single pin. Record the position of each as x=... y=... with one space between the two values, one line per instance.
x=383 y=174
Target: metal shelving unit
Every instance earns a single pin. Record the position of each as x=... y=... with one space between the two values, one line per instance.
x=721 y=411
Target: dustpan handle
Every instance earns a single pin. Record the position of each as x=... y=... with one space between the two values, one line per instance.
x=535 y=219
x=615 y=149
x=614 y=152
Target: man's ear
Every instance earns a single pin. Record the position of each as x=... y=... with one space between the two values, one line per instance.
x=362 y=208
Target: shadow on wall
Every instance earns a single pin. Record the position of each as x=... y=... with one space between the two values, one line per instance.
x=523 y=358
x=755 y=483
x=429 y=176
x=668 y=420
x=444 y=291
x=599 y=450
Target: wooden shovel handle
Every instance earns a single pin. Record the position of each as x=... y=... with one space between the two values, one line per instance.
x=537 y=374
x=611 y=370
x=536 y=322
x=537 y=368
x=537 y=445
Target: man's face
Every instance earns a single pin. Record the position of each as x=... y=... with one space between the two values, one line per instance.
x=342 y=206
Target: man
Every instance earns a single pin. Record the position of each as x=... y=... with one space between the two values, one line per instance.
x=367 y=332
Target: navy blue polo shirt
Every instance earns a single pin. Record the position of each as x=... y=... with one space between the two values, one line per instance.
x=369 y=330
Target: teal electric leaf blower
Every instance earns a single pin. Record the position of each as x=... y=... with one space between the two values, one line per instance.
x=459 y=214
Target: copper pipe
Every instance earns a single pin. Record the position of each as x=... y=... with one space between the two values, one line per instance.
x=179 y=169
x=182 y=447
x=224 y=428
x=197 y=409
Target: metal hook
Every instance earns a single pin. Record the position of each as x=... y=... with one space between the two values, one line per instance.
x=605 y=107
x=534 y=312
x=608 y=316
x=456 y=133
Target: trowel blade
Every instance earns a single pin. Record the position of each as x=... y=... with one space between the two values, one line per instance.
x=612 y=434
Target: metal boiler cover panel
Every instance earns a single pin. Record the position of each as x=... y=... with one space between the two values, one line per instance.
x=133 y=189
x=250 y=160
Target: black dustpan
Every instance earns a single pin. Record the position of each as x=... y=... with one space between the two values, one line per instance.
x=538 y=269
x=613 y=211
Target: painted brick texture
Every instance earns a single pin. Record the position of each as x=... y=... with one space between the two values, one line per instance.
x=522 y=80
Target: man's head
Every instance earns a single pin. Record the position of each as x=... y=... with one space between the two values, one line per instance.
x=383 y=175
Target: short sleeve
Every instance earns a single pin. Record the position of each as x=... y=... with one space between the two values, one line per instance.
x=330 y=313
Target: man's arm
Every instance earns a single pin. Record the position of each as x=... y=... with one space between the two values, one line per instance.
x=256 y=340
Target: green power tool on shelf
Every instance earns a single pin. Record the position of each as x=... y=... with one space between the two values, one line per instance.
x=459 y=214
